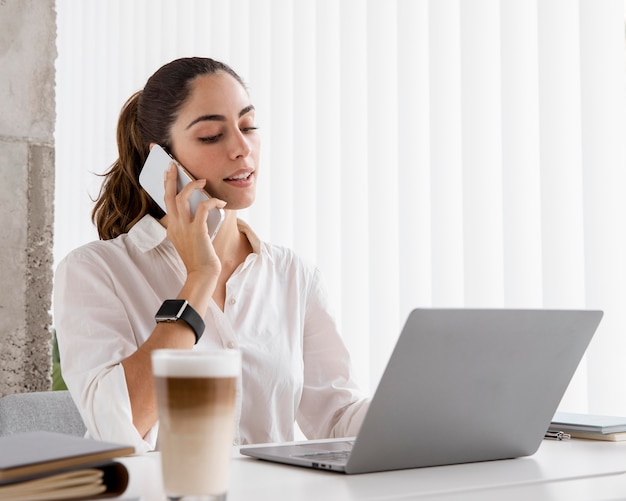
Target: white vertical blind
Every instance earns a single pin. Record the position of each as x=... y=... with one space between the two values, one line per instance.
x=414 y=162
x=446 y=150
x=521 y=175
x=481 y=143
x=604 y=184
x=560 y=153
x=420 y=152
x=354 y=200
x=383 y=181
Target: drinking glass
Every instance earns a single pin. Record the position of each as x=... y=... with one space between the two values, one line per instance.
x=196 y=393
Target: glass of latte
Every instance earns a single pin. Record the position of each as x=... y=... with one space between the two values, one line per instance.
x=196 y=394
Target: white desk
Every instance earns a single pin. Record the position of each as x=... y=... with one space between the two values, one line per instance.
x=570 y=470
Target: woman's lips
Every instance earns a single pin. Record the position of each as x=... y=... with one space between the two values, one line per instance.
x=241 y=179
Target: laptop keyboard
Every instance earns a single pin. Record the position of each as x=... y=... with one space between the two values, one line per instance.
x=336 y=456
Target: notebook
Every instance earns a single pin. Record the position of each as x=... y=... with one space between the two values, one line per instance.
x=590 y=426
x=461 y=386
x=46 y=465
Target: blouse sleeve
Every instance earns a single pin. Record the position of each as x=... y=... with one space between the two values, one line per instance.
x=332 y=404
x=95 y=335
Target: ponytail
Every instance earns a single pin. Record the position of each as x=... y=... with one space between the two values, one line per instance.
x=122 y=202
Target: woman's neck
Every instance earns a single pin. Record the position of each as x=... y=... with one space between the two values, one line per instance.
x=228 y=241
x=232 y=247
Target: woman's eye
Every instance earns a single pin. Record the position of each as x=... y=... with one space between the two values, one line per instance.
x=210 y=139
x=248 y=129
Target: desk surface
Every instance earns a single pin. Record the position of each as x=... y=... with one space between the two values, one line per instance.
x=569 y=470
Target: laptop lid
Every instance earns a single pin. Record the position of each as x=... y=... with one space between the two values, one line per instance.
x=463 y=385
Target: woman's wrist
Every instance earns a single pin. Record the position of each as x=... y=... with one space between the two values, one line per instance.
x=198 y=290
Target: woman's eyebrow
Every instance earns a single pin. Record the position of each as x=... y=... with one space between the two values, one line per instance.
x=219 y=118
x=247 y=109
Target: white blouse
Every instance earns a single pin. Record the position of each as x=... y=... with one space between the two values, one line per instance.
x=277 y=313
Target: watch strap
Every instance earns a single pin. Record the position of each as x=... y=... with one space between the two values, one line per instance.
x=173 y=310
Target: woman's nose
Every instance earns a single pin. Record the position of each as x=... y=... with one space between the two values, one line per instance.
x=240 y=146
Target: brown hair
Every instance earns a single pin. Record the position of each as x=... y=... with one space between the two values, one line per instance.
x=146 y=117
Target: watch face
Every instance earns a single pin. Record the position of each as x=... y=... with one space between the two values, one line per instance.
x=171 y=309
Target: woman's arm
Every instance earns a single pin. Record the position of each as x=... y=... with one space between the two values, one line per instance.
x=105 y=302
x=190 y=237
x=332 y=404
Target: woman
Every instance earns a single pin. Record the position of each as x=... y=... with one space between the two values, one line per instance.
x=253 y=296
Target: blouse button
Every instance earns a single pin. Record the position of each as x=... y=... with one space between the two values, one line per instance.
x=231 y=345
x=232 y=300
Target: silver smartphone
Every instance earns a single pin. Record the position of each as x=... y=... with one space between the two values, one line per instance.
x=151 y=179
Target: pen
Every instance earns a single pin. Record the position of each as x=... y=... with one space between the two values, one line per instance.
x=557 y=435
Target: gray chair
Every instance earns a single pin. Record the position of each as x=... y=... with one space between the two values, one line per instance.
x=40 y=411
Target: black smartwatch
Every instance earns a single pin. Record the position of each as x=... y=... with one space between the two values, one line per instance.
x=173 y=310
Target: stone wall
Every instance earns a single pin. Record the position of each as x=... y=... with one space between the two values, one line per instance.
x=27 y=119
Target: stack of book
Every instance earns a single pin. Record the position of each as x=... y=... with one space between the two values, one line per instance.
x=590 y=426
x=45 y=466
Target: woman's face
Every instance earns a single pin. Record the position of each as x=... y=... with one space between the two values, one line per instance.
x=214 y=138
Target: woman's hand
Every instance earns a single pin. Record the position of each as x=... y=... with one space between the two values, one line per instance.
x=188 y=233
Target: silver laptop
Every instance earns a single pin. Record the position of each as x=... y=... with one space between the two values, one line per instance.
x=462 y=385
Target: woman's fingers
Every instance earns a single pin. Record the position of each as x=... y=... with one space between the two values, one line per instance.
x=178 y=204
x=170 y=189
x=182 y=217
x=206 y=206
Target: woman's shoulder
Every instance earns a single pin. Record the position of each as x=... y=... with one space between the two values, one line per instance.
x=146 y=234
x=96 y=251
x=286 y=258
x=280 y=256
x=280 y=253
